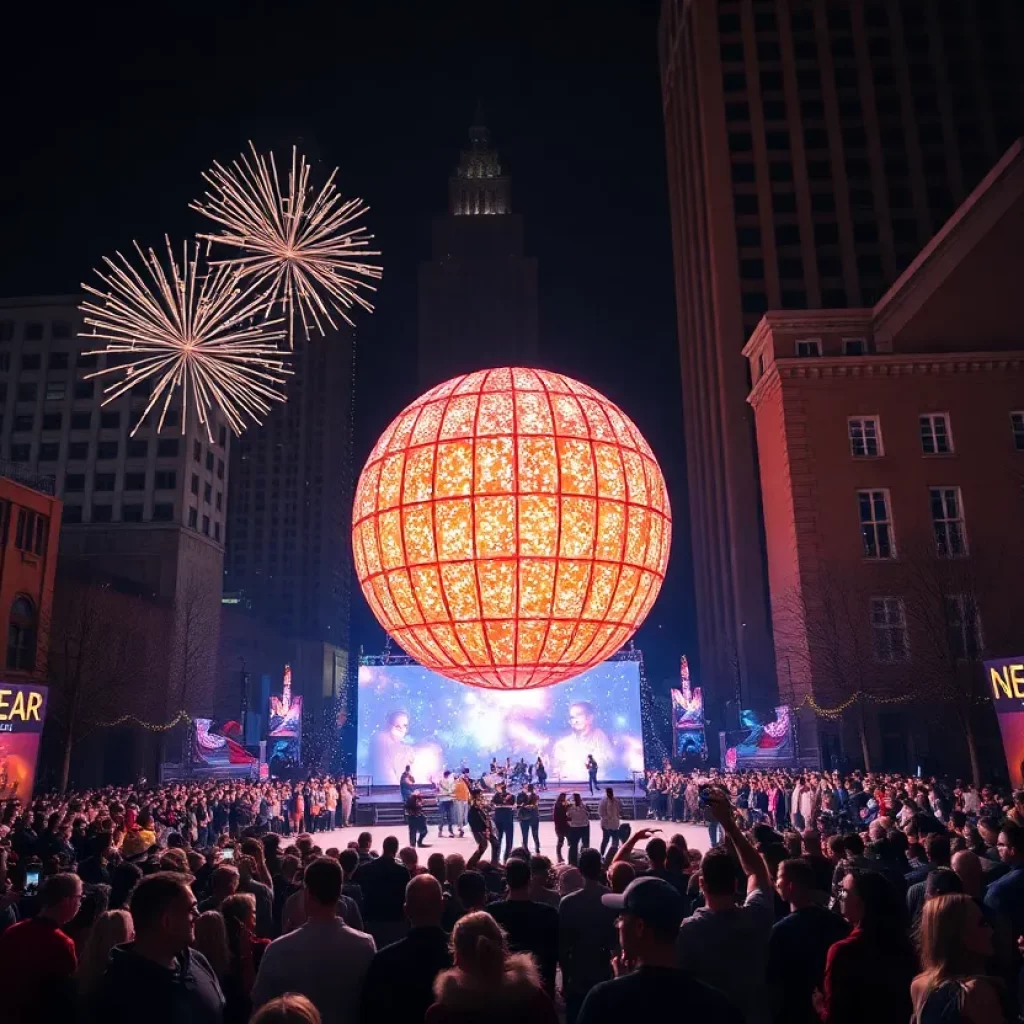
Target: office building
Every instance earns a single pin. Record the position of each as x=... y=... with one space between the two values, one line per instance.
x=288 y=564
x=478 y=293
x=813 y=148
x=891 y=448
x=147 y=508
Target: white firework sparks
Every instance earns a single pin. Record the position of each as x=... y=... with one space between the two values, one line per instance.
x=302 y=249
x=198 y=330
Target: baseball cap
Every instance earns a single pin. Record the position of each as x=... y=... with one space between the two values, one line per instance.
x=651 y=899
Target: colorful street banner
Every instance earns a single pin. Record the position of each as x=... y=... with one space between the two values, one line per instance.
x=1005 y=676
x=688 y=715
x=22 y=714
x=285 y=732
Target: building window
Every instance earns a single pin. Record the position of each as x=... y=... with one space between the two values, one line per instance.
x=60 y=330
x=209 y=461
x=193 y=517
x=195 y=484
x=876 y=524
x=81 y=420
x=6 y=330
x=84 y=389
x=948 y=522
x=24 y=422
x=49 y=451
x=865 y=437
x=206 y=526
x=808 y=348
x=216 y=531
x=78 y=451
x=855 y=346
x=102 y=513
x=936 y=438
x=207 y=493
x=88 y=360
x=889 y=630
x=32 y=360
x=56 y=390
x=963 y=624
x=27 y=392
x=220 y=501
x=103 y=481
x=110 y=420
x=135 y=481
x=222 y=436
x=197 y=451
x=167 y=448
x=1017 y=423
x=165 y=480
x=163 y=512
x=131 y=513
x=72 y=514
x=220 y=465
x=21 y=635
x=74 y=483
x=137 y=448
x=106 y=450
x=52 y=421
x=21 y=452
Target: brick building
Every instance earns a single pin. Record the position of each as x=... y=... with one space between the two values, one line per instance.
x=891 y=449
x=29 y=531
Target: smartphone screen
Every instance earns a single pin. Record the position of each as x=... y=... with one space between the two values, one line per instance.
x=32 y=880
x=228 y=853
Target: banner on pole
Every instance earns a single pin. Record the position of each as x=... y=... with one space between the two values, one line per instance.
x=1005 y=676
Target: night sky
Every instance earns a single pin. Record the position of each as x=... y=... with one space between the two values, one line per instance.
x=115 y=113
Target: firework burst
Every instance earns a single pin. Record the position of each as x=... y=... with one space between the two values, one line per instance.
x=199 y=330
x=304 y=250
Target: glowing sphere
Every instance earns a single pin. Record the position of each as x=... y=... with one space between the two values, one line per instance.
x=511 y=528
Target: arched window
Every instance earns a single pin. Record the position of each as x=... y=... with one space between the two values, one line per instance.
x=21 y=635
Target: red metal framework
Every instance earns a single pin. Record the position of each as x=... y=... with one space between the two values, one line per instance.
x=511 y=528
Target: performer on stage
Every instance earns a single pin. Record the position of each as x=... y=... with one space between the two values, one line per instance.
x=592 y=773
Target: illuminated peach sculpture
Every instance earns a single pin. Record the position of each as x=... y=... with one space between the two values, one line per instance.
x=511 y=528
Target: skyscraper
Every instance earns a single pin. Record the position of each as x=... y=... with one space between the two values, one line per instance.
x=478 y=293
x=813 y=149
x=289 y=509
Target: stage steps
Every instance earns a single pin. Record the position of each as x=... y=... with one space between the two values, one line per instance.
x=393 y=812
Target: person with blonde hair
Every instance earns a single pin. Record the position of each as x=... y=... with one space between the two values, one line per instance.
x=956 y=941
x=290 y=1008
x=211 y=939
x=112 y=928
x=488 y=984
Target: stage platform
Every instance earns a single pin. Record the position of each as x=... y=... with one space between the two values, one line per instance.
x=696 y=837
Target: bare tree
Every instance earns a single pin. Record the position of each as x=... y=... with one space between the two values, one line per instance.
x=823 y=636
x=98 y=669
x=944 y=598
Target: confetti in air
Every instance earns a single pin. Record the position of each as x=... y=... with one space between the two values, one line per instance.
x=303 y=248
x=188 y=328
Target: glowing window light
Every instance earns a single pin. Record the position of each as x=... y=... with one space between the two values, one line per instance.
x=511 y=528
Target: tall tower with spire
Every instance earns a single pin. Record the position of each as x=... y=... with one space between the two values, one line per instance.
x=478 y=292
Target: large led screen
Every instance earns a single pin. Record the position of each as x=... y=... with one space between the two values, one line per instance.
x=409 y=715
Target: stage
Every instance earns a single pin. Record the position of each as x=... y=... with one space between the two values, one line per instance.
x=696 y=837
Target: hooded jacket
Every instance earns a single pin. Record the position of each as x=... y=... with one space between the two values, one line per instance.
x=462 y=999
x=187 y=993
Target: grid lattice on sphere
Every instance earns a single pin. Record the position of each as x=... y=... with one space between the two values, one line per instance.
x=511 y=528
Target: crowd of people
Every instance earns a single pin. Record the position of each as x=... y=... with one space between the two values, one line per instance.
x=821 y=898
